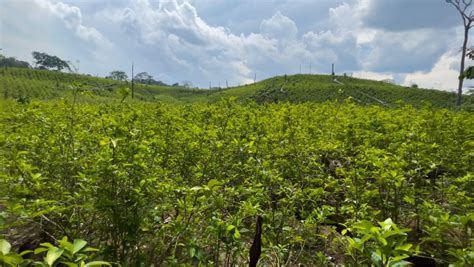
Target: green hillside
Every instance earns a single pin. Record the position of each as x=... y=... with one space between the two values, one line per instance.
x=321 y=88
x=41 y=84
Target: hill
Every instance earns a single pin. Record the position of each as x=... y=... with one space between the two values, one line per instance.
x=321 y=88
x=21 y=83
x=41 y=84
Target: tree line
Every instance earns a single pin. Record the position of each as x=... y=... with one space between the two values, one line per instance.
x=44 y=61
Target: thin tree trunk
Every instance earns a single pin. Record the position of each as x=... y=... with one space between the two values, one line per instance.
x=461 y=70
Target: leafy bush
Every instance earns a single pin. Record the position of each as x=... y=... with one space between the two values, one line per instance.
x=181 y=184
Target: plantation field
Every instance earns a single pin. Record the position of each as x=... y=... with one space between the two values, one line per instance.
x=16 y=83
x=29 y=84
x=173 y=184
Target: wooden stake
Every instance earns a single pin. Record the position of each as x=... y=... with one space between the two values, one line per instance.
x=133 y=91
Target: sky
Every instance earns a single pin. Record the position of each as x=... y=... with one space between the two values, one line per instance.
x=203 y=41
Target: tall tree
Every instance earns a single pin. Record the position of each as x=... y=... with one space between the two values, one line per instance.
x=118 y=75
x=464 y=7
x=45 y=61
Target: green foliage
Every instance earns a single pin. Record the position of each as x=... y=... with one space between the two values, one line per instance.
x=47 y=85
x=12 y=62
x=75 y=254
x=118 y=75
x=161 y=184
x=45 y=61
x=383 y=245
x=321 y=88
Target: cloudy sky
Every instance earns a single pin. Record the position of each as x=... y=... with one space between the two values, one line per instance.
x=410 y=41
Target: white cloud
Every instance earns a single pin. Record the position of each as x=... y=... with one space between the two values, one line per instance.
x=72 y=17
x=185 y=39
x=171 y=39
x=373 y=75
x=279 y=27
x=444 y=75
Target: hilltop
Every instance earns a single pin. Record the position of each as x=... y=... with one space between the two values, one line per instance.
x=320 y=88
x=42 y=84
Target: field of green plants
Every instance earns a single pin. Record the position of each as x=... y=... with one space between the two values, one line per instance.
x=168 y=185
x=321 y=88
x=27 y=84
x=17 y=83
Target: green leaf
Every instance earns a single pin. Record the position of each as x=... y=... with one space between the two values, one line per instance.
x=39 y=250
x=48 y=245
x=89 y=249
x=78 y=245
x=196 y=188
x=11 y=259
x=53 y=254
x=399 y=258
x=404 y=247
x=70 y=264
x=401 y=264
x=98 y=263
x=25 y=252
x=212 y=183
x=236 y=234
x=376 y=257
x=4 y=246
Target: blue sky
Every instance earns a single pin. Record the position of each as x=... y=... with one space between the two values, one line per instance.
x=411 y=41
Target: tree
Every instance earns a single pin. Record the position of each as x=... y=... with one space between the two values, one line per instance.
x=464 y=7
x=144 y=77
x=469 y=72
x=12 y=62
x=45 y=61
x=118 y=75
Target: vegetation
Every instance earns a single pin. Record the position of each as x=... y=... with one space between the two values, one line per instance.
x=30 y=84
x=320 y=88
x=465 y=9
x=167 y=184
x=48 y=62
x=145 y=78
x=40 y=84
x=12 y=62
x=66 y=254
x=118 y=75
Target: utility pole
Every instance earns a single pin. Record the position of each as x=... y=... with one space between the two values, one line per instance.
x=133 y=91
x=332 y=72
x=255 y=78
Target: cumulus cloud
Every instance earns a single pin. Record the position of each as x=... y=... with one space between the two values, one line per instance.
x=444 y=75
x=195 y=40
x=72 y=17
x=409 y=51
x=279 y=27
x=185 y=39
